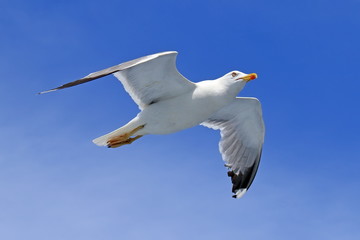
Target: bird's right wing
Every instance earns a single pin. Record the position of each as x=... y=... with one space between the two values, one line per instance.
x=147 y=79
x=242 y=135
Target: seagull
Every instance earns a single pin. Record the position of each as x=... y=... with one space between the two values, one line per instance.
x=169 y=103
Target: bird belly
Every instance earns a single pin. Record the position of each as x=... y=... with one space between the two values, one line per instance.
x=176 y=114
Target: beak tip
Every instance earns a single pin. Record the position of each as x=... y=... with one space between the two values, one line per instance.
x=254 y=76
x=250 y=77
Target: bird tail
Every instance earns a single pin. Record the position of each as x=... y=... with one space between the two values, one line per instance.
x=129 y=129
x=103 y=140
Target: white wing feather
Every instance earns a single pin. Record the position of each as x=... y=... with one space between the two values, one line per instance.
x=154 y=80
x=242 y=135
x=147 y=79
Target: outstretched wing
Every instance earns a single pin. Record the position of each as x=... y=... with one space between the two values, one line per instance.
x=147 y=79
x=155 y=80
x=242 y=135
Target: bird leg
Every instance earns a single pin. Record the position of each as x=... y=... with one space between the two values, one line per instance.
x=125 y=142
x=124 y=139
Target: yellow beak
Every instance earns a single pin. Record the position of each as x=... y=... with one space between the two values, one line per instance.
x=249 y=77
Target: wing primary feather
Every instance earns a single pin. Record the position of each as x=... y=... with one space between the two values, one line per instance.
x=77 y=82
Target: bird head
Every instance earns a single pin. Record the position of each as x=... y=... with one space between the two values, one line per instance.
x=236 y=79
x=236 y=76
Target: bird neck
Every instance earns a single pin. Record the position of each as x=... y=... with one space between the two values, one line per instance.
x=231 y=89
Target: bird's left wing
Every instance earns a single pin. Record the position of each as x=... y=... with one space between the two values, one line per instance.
x=147 y=79
x=242 y=135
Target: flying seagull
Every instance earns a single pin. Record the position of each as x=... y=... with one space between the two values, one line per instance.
x=170 y=103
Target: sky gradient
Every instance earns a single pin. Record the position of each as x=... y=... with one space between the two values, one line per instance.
x=56 y=184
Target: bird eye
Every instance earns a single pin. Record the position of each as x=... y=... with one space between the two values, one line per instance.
x=233 y=74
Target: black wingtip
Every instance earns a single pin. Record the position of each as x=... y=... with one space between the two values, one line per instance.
x=240 y=181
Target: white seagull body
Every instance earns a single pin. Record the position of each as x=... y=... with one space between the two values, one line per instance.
x=170 y=103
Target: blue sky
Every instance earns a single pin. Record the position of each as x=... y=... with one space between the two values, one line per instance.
x=55 y=184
